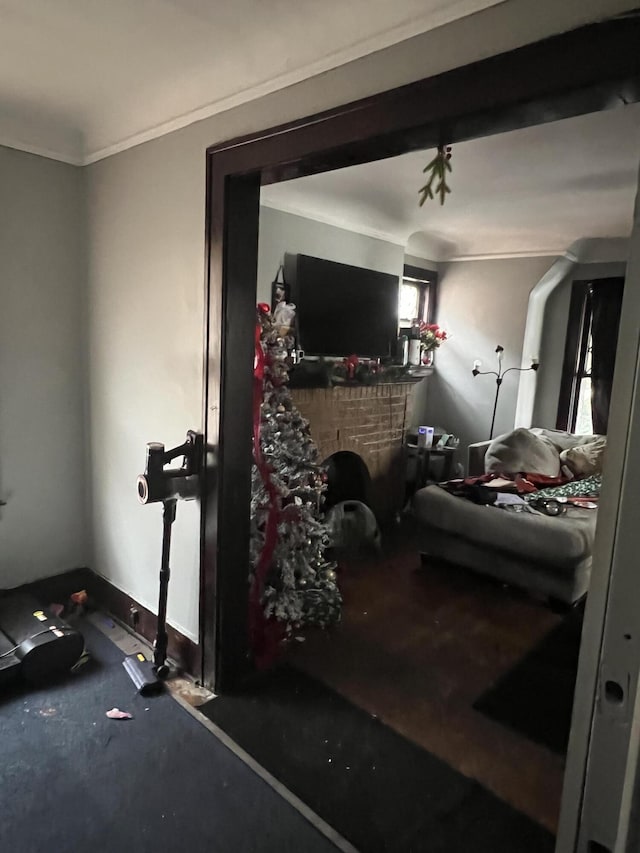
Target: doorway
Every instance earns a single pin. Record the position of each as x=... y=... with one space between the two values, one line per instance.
x=463 y=104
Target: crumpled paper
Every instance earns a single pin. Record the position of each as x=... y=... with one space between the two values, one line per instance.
x=117 y=714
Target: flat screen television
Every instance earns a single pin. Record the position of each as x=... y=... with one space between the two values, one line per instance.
x=344 y=310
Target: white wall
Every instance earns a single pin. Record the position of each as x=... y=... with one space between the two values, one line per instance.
x=42 y=363
x=423 y=263
x=420 y=394
x=145 y=319
x=282 y=233
x=146 y=273
x=481 y=304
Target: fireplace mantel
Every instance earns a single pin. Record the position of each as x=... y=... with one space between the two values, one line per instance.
x=317 y=374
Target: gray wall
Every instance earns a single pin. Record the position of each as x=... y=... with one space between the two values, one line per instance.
x=481 y=304
x=146 y=272
x=554 y=336
x=42 y=368
x=282 y=233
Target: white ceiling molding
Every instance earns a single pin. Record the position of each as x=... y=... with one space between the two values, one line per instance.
x=445 y=13
x=88 y=80
x=601 y=251
x=501 y=256
x=335 y=221
x=82 y=81
x=42 y=151
x=40 y=133
x=347 y=225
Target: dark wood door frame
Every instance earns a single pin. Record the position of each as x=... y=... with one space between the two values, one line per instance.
x=589 y=69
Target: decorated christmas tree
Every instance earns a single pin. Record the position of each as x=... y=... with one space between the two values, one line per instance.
x=293 y=585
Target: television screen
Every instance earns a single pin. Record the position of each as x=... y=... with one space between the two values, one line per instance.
x=344 y=310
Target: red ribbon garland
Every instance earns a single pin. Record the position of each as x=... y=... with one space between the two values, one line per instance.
x=265 y=635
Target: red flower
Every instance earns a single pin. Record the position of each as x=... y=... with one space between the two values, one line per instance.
x=432 y=335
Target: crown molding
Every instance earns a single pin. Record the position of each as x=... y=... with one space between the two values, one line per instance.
x=450 y=11
x=335 y=222
x=503 y=256
x=347 y=225
x=41 y=151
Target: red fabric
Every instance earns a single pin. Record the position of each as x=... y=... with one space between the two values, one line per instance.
x=522 y=483
x=265 y=635
x=532 y=482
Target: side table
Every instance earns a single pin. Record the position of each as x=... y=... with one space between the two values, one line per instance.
x=423 y=457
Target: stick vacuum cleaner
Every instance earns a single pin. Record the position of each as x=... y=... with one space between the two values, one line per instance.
x=167 y=486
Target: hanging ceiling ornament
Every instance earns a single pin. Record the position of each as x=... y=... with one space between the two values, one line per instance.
x=437 y=170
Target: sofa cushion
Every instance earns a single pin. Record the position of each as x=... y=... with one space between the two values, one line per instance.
x=522 y=450
x=560 y=542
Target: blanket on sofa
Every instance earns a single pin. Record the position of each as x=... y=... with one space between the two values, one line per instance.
x=538 y=465
x=550 y=453
x=589 y=487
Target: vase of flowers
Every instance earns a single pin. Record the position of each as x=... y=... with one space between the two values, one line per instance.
x=431 y=336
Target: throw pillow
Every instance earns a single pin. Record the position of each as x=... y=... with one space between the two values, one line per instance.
x=522 y=451
x=563 y=440
x=585 y=459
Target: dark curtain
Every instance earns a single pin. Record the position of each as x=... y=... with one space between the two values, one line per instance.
x=606 y=302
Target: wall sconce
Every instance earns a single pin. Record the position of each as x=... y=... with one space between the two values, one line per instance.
x=500 y=374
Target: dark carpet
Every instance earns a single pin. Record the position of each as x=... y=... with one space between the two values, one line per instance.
x=73 y=780
x=379 y=790
x=535 y=698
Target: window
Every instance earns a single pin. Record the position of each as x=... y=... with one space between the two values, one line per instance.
x=574 y=407
x=416 y=297
x=409 y=302
x=584 y=419
x=580 y=390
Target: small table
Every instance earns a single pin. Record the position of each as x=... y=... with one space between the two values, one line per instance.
x=424 y=455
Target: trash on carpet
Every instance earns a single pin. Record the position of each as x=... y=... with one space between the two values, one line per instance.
x=78 y=604
x=117 y=714
x=80 y=597
x=191 y=692
x=84 y=658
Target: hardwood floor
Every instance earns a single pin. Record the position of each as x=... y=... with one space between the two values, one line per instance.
x=418 y=645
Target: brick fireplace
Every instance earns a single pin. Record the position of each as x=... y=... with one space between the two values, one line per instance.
x=370 y=421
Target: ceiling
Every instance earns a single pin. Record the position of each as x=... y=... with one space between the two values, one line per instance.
x=529 y=192
x=82 y=79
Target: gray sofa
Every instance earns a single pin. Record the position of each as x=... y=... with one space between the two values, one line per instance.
x=548 y=556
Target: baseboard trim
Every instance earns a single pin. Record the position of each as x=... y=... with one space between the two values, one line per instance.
x=107 y=597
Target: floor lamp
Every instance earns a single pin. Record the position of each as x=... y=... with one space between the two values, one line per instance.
x=500 y=374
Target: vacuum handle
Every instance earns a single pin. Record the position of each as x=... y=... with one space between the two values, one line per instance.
x=173 y=486
x=160 y=484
